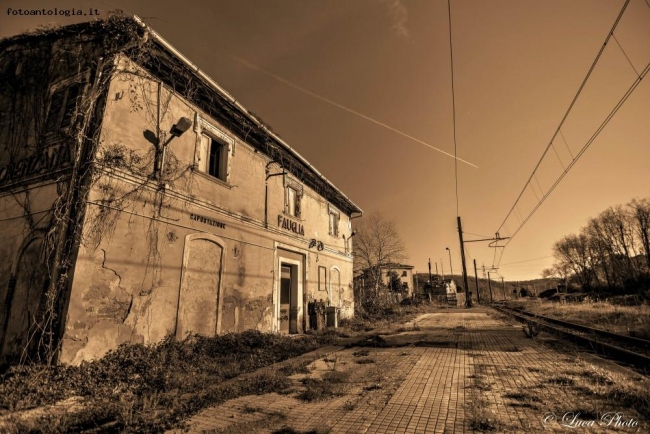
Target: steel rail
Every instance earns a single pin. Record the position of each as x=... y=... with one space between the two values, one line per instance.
x=615 y=352
x=637 y=342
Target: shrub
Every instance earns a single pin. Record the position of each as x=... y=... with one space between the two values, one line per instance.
x=140 y=387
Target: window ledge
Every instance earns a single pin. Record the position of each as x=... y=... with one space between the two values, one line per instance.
x=213 y=179
x=293 y=216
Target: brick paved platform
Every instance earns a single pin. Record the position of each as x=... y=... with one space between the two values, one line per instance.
x=449 y=372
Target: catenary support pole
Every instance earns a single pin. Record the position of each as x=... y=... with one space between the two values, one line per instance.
x=478 y=295
x=468 y=301
x=490 y=286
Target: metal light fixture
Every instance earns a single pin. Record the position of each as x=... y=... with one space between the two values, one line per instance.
x=345 y=240
x=450 y=266
x=180 y=127
x=177 y=130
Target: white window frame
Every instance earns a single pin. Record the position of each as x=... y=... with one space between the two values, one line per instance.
x=206 y=129
x=296 y=187
x=333 y=227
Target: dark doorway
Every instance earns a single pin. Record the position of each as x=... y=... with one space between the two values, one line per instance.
x=288 y=298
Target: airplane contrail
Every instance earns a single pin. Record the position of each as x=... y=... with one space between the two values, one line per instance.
x=342 y=107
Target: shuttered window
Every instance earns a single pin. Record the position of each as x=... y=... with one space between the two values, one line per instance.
x=63 y=107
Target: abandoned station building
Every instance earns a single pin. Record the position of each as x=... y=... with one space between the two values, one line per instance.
x=138 y=199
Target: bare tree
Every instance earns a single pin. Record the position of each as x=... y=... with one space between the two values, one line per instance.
x=573 y=252
x=614 y=233
x=558 y=271
x=607 y=250
x=377 y=242
x=641 y=219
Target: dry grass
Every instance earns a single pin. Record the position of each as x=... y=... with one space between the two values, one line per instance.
x=364 y=321
x=481 y=417
x=627 y=320
x=141 y=388
x=329 y=386
x=604 y=389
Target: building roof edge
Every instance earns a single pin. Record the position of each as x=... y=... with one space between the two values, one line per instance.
x=215 y=86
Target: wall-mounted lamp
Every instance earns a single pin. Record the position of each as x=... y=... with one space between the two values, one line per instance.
x=180 y=127
x=177 y=130
x=348 y=239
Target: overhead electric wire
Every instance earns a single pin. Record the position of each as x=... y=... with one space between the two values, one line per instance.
x=527 y=260
x=575 y=98
x=476 y=235
x=453 y=102
x=588 y=143
x=625 y=54
x=584 y=148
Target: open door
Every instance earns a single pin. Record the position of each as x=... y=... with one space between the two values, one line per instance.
x=285 y=298
x=288 y=292
x=289 y=282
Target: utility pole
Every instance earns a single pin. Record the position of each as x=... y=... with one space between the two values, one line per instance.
x=416 y=282
x=436 y=267
x=490 y=286
x=430 y=282
x=478 y=297
x=468 y=301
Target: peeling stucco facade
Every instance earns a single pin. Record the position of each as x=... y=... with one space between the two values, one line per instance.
x=211 y=243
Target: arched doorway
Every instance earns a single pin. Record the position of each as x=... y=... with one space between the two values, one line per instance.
x=335 y=286
x=199 y=298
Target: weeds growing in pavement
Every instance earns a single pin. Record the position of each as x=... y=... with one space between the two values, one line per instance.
x=331 y=362
x=530 y=329
x=149 y=388
x=331 y=384
x=289 y=430
x=481 y=417
x=614 y=388
x=524 y=399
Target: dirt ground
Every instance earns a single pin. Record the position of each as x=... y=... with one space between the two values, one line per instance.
x=454 y=371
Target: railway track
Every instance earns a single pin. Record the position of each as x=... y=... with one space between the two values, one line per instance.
x=625 y=349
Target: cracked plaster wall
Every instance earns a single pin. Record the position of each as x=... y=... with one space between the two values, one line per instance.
x=123 y=293
x=15 y=234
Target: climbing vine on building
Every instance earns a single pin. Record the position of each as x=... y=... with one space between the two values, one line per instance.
x=55 y=84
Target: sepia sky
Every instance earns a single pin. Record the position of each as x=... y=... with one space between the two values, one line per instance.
x=362 y=89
